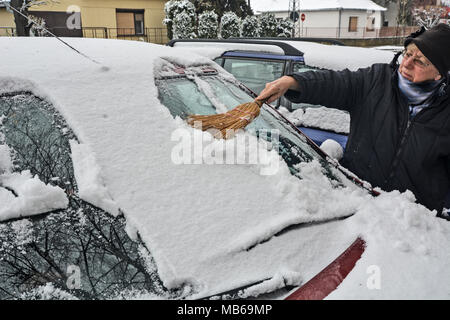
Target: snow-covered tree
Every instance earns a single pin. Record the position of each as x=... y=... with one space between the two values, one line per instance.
x=26 y=23
x=230 y=25
x=37 y=28
x=428 y=18
x=284 y=28
x=240 y=7
x=208 y=25
x=250 y=27
x=172 y=9
x=268 y=25
x=183 y=26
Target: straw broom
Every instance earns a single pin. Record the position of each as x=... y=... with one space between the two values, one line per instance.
x=224 y=125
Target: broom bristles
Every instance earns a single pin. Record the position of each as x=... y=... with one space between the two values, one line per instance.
x=226 y=124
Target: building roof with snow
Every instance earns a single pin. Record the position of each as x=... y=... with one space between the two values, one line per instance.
x=315 y=5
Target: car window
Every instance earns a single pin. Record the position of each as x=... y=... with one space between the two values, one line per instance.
x=292 y=147
x=254 y=73
x=78 y=252
x=299 y=67
x=218 y=61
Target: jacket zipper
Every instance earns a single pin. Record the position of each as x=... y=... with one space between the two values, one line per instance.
x=400 y=149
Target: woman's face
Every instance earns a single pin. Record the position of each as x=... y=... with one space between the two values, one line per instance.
x=416 y=67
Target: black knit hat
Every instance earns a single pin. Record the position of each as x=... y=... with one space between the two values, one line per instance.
x=435 y=45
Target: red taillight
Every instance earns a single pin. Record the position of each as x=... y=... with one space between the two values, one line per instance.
x=331 y=277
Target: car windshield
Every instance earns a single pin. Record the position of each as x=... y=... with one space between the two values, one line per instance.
x=212 y=94
x=75 y=252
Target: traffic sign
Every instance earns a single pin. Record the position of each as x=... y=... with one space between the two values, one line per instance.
x=294 y=16
x=303 y=17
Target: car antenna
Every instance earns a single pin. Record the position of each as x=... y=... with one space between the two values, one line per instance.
x=103 y=68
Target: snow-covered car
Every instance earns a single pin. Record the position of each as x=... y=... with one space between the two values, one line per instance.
x=107 y=193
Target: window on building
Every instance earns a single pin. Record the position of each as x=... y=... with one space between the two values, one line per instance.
x=353 y=24
x=370 y=26
x=130 y=22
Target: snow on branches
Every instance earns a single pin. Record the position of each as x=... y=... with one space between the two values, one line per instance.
x=230 y=25
x=208 y=25
x=428 y=18
x=268 y=25
x=180 y=19
x=284 y=28
x=30 y=24
x=250 y=27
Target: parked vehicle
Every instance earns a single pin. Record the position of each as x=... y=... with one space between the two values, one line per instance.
x=107 y=193
x=256 y=62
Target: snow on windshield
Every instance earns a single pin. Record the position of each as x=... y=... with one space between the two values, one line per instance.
x=319 y=117
x=207 y=226
x=32 y=196
x=90 y=183
x=22 y=194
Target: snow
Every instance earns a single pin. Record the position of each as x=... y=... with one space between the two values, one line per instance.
x=48 y=292
x=215 y=227
x=407 y=246
x=316 y=54
x=333 y=149
x=88 y=176
x=340 y=57
x=33 y=196
x=315 y=5
x=319 y=117
x=5 y=159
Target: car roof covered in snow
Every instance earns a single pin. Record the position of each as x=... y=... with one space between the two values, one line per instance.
x=333 y=57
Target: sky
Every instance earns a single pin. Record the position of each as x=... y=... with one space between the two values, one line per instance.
x=283 y=5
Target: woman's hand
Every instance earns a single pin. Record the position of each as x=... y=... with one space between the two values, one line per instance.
x=277 y=88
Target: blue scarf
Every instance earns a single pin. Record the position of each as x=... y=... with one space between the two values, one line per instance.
x=417 y=94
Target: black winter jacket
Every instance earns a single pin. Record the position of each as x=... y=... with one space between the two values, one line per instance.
x=385 y=146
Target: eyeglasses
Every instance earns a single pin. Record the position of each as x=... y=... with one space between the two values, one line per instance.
x=416 y=61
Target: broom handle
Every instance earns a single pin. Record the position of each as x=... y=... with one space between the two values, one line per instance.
x=261 y=102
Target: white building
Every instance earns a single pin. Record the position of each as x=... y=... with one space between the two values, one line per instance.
x=329 y=18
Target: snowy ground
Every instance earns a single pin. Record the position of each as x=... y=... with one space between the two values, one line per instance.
x=207 y=225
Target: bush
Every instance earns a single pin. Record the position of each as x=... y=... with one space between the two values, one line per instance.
x=230 y=25
x=284 y=28
x=173 y=9
x=268 y=25
x=183 y=27
x=250 y=27
x=208 y=25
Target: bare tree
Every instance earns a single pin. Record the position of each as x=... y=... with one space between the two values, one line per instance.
x=428 y=18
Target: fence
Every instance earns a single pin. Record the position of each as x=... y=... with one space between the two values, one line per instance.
x=356 y=33
x=7 y=32
x=153 y=35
